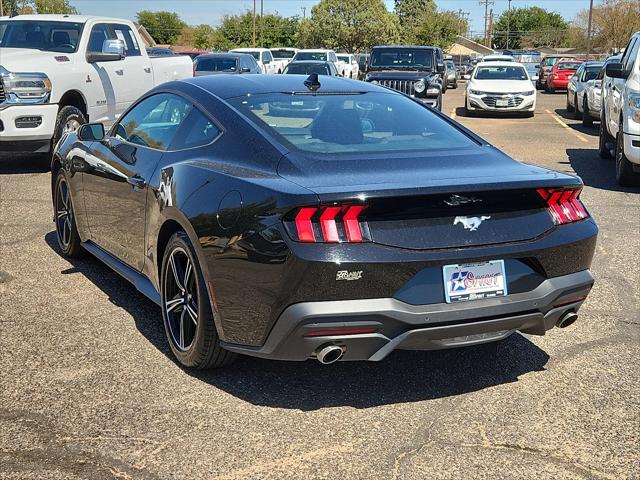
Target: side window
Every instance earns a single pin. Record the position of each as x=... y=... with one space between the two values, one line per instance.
x=154 y=121
x=267 y=57
x=630 y=54
x=197 y=131
x=99 y=33
x=124 y=33
x=332 y=57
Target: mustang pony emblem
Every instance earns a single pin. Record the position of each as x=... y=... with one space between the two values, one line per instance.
x=472 y=223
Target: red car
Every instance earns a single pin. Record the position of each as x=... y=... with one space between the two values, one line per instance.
x=560 y=74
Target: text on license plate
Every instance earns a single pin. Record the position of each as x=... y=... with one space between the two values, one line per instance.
x=502 y=102
x=473 y=281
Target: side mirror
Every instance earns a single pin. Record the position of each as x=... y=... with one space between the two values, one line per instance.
x=91 y=132
x=112 y=51
x=615 y=70
x=266 y=62
x=440 y=67
x=245 y=70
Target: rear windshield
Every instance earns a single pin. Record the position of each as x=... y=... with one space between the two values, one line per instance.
x=61 y=37
x=282 y=53
x=343 y=58
x=311 y=56
x=402 y=58
x=307 y=69
x=256 y=55
x=216 y=64
x=352 y=123
x=568 y=65
x=500 y=73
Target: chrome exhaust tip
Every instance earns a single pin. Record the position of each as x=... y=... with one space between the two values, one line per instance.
x=567 y=319
x=329 y=354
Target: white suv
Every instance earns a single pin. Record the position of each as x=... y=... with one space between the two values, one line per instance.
x=621 y=114
x=320 y=56
x=350 y=65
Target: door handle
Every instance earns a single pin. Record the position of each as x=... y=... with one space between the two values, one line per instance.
x=137 y=182
x=147 y=69
x=120 y=71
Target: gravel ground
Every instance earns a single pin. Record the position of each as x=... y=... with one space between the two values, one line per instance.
x=89 y=389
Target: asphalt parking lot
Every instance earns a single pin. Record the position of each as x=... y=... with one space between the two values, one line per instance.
x=89 y=388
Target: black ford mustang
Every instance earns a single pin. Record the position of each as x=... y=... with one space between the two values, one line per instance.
x=291 y=218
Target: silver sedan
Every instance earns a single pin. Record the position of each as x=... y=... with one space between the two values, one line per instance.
x=578 y=83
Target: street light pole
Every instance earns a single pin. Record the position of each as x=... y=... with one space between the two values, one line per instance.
x=589 y=29
x=508 y=23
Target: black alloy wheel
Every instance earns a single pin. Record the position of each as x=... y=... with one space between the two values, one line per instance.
x=66 y=231
x=186 y=308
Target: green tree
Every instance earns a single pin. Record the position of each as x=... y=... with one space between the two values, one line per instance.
x=55 y=6
x=204 y=37
x=614 y=21
x=272 y=30
x=439 y=29
x=413 y=12
x=350 y=25
x=164 y=27
x=530 y=27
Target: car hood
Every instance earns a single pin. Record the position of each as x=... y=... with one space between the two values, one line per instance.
x=28 y=60
x=351 y=176
x=500 y=86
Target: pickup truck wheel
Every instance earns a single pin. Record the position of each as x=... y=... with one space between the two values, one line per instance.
x=69 y=120
x=604 y=138
x=186 y=308
x=587 y=119
x=625 y=175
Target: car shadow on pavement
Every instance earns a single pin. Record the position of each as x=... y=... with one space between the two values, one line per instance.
x=594 y=171
x=404 y=376
x=22 y=164
x=592 y=131
x=462 y=112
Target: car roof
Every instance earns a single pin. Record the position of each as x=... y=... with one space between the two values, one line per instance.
x=224 y=55
x=66 y=18
x=307 y=62
x=248 y=49
x=323 y=50
x=500 y=63
x=226 y=86
x=395 y=47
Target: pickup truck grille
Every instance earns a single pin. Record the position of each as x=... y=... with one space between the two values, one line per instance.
x=3 y=97
x=404 y=86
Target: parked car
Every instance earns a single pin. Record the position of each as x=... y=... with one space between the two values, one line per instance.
x=412 y=70
x=576 y=88
x=284 y=55
x=363 y=62
x=307 y=67
x=452 y=74
x=593 y=95
x=497 y=58
x=59 y=70
x=620 y=116
x=192 y=53
x=367 y=223
x=546 y=65
x=500 y=87
x=562 y=71
x=265 y=59
x=160 y=52
x=349 y=64
x=320 y=56
x=532 y=70
x=217 y=63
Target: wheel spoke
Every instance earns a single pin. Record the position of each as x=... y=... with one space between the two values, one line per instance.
x=173 y=304
x=187 y=273
x=62 y=213
x=176 y=276
x=192 y=313
x=181 y=341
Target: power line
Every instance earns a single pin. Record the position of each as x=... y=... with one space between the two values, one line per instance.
x=486 y=4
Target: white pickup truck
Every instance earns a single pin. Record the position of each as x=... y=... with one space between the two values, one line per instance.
x=60 y=71
x=264 y=57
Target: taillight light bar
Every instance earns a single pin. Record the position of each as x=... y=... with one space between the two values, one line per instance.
x=564 y=204
x=330 y=224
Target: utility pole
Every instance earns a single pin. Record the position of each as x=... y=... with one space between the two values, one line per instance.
x=304 y=13
x=490 y=28
x=486 y=4
x=589 y=29
x=508 y=23
x=461 y=19
x=261 y=22
x=1 y=9
x=254 y=23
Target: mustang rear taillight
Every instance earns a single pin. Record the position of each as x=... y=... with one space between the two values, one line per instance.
x=563 y=204
x=331 y=224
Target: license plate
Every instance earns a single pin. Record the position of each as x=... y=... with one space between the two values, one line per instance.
x=502 y=102
x=474 y=281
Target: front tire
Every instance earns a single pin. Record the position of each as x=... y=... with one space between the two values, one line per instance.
x=625 y=175
x=604 y=138
x=65 y=219
x=186 y=308
x=587 y=119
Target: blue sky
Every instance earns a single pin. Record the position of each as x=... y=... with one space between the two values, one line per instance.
x=210 y=11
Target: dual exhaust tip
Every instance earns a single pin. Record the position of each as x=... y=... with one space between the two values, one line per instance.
x=329 y=354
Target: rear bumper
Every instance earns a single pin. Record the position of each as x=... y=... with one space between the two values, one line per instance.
x=403 y=326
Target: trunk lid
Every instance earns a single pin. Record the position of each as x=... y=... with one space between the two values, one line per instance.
x=432 y=201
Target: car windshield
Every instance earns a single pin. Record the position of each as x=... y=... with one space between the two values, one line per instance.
x=61 y=37
x=220 y=64
x=402 y=58
x=283 y=53
x=450 y=65
x=352 y=123
x=568 y=65
x=306 y=69
x=311 y=56
x=501 y=73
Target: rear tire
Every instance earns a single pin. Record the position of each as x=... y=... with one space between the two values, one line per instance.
x=604 y=139
x=65 y=219
x=625 y=175
x=587 y=119
x=186 y=309
x=570 y=108
x=576 y=114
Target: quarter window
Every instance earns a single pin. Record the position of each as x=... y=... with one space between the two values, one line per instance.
x=154 y=122
x=196 y=131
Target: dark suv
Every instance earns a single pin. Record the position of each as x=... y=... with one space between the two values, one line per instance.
x=413 y=70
